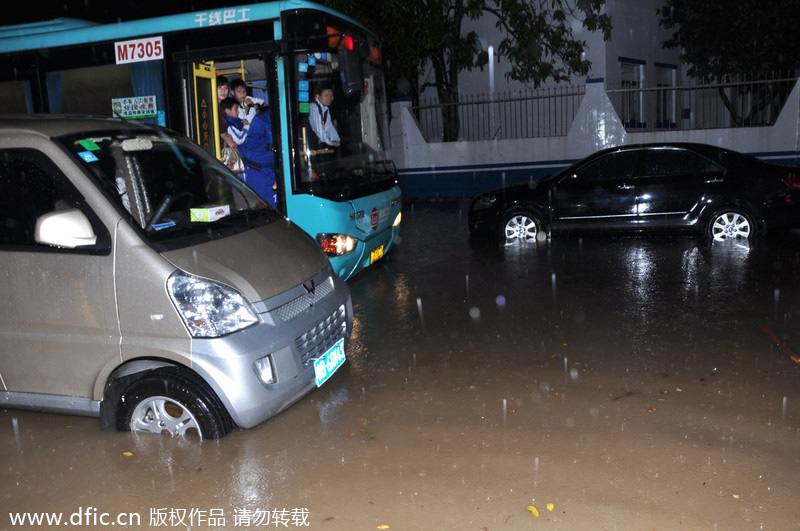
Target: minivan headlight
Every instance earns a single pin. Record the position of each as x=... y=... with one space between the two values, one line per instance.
x=209 y=308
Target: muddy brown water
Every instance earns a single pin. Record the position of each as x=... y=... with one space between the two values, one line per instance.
x=577 y=383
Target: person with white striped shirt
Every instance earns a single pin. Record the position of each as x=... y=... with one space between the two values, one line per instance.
x=320 y=117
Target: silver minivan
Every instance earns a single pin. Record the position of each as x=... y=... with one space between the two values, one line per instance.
x=143 y=283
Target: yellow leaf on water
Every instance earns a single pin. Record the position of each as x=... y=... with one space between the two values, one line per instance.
x=384 y=526
x=550 y=506
x=127 y=454
x=534 y=511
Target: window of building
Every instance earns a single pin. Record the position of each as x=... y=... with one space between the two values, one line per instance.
x=666 y=97
x=631 y=76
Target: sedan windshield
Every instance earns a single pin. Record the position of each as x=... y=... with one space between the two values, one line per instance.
x=166 y=186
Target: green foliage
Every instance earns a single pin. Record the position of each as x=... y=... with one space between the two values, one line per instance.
x=537 y=40
x=742 y=37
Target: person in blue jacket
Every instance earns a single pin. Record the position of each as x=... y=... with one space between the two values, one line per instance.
x=259 y=160
x=254 y=141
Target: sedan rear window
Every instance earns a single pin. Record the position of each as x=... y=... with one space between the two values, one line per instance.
x=677 y=162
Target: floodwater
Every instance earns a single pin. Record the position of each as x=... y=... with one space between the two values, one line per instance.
x=577 y=383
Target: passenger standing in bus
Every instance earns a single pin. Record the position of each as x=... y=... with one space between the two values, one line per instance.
x=259 y=160
x=223 y=91
x=236 y=130
x=249 y=106
x=256 y=147
x=320 y=116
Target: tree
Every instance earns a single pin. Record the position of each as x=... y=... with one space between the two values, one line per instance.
x=741 y=39
x=537 y=41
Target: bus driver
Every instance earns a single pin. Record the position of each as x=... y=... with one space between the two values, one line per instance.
x=320 y=117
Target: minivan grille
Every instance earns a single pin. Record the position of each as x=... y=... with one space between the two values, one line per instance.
x=298 y=305
x=319 y=339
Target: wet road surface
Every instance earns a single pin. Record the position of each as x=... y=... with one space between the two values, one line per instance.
x=578 y=383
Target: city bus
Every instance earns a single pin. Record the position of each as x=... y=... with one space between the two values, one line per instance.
x=163 y=70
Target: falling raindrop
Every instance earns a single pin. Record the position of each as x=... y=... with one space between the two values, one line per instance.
x=467 y=284
x=475 y=313
x=501 y=302
x=419 y=309
x=777 y=298
x=15 y=424
x=783 y=414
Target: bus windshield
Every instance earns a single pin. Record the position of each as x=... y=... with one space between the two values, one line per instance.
x=342 y=130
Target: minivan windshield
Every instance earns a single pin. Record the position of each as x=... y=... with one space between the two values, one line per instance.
x=166 y=186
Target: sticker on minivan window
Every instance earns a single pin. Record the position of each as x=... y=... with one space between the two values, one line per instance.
x=209 y=213
x=164 y=225
x=88 y=144
x=88 y=156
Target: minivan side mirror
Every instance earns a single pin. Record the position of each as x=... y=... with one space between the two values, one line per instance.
x=67 y=228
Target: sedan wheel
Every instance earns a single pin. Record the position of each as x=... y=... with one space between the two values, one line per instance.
x=731 y=224
x=521 y=226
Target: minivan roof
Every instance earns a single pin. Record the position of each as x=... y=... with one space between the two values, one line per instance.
x=60 y=124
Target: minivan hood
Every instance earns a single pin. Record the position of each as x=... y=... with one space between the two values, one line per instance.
x=260 y=263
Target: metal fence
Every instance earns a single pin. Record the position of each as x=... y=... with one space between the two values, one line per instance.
x=743 y=102
x=749 y=102
x=528 y=114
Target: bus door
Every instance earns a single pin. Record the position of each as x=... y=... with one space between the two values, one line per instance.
x=19 y=90
x=261 y=149
x=204 y=107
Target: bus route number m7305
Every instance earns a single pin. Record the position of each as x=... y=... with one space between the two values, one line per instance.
x=137 y=50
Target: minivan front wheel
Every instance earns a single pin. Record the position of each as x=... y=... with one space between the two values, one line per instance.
x=171 y=402
x=731 y=224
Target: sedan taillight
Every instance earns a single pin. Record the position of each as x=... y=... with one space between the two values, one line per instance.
x=792 y=181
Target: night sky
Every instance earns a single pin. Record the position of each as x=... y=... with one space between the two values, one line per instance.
x=105 y=11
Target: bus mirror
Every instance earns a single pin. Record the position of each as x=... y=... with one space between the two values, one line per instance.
x=352 y=74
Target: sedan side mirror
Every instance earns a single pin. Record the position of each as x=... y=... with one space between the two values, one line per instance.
x=68 y=228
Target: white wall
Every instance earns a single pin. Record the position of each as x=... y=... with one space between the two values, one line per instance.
x=464 y=169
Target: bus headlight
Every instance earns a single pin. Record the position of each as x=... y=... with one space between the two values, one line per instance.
x=336 y=244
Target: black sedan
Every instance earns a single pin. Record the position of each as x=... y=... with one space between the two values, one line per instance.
x=693 y=188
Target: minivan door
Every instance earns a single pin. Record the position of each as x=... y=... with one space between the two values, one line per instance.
x=58 y=318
